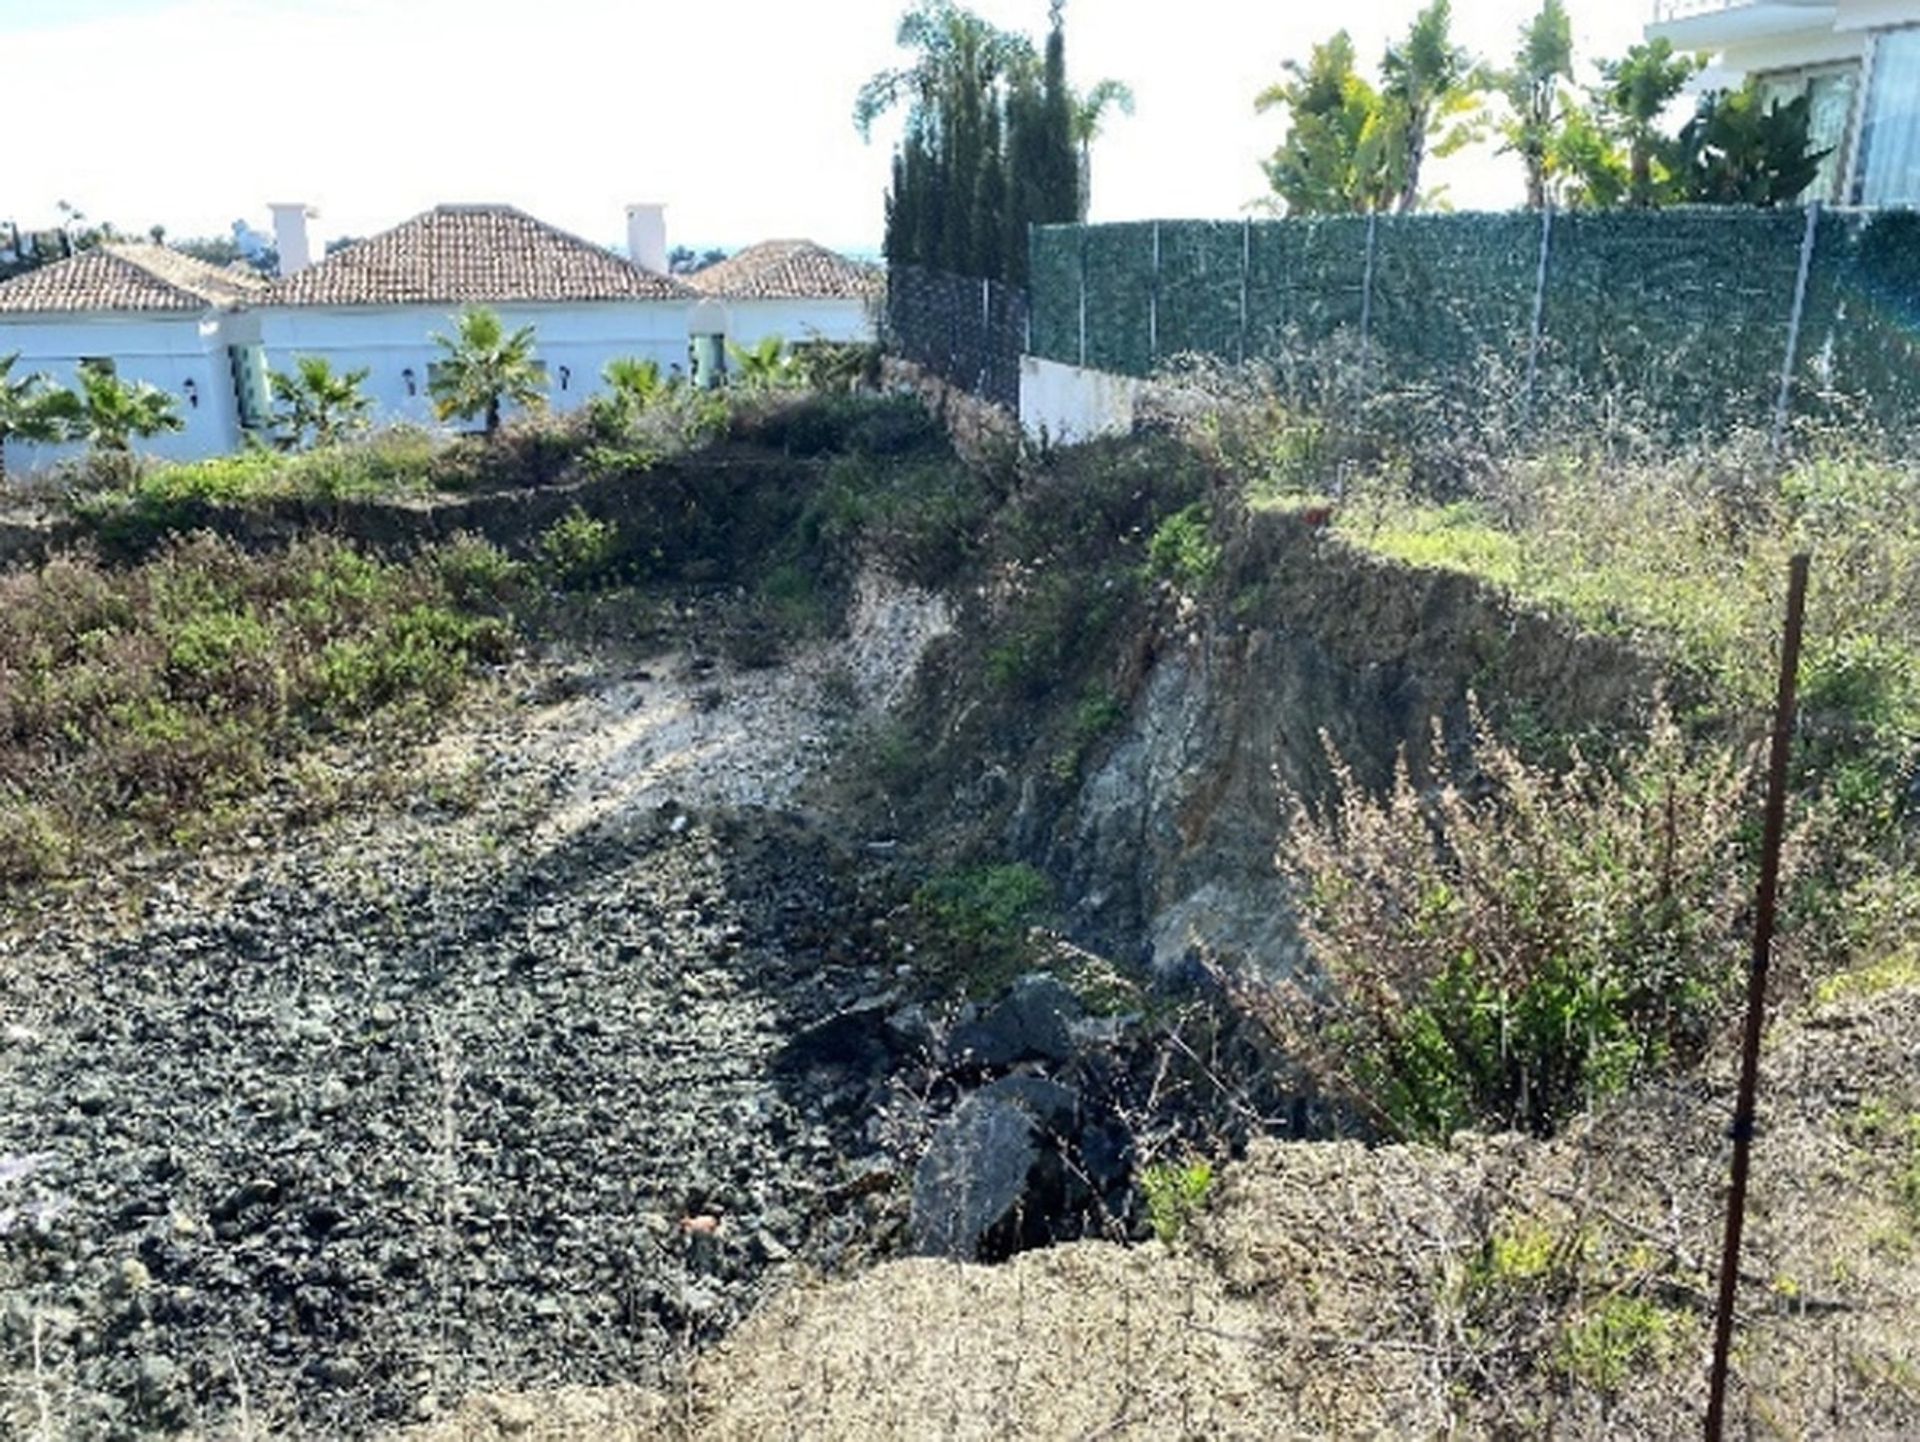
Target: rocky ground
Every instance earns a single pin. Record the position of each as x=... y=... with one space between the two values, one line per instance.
x=488 y=1089
x=1501 y=1287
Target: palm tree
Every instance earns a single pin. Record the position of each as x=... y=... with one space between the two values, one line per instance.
x=952 y=44
x=484 y=368
x=316 y=399
x=636 y=383
x=1428 y=79
x=1532 y=88
x=1637 y=89
x=32 y=410
x=112 y=414
x=764 y=366
x=1089 y=111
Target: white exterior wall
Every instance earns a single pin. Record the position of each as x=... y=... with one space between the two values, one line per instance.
x=795 y=321
x=1782 y=52
x=1748 y=39
x=1070 y=404
x=390 y=340
x=164 y=349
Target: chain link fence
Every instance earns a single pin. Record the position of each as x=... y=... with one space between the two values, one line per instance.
x=1707 y=317
x=968 y=332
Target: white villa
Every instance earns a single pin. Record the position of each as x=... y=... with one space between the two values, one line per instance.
x=1859 y=60
x=794 y=289
x=376 y=305
x=209 y=335
x=147 y=314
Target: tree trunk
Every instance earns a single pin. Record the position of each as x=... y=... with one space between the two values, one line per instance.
x=1416 y=154
x=493 y=415
x=1086 y=179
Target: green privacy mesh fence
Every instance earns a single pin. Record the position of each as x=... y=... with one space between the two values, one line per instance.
x=1689 y=311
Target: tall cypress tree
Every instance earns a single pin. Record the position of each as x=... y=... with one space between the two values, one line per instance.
x=1023 y=105
x=1058 y=178
x=989 y=146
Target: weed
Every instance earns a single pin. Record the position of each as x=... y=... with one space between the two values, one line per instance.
x=162 y=695
x=1182 y=550
x=1501 y=956
x=1622 y=1335
x=1902 y=969
x=1175 y=1193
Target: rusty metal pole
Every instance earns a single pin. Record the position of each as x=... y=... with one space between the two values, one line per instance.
x=1743 y=1114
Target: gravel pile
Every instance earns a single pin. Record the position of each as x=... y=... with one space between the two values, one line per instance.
x=383 y=1126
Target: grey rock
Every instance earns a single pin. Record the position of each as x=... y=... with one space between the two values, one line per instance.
x=1034 y=1021
x=992 y=1178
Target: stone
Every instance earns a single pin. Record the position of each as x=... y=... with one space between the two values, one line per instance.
x=1034 y=1021
x=993 y=1179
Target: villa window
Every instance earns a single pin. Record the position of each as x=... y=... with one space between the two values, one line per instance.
x=1831 y=89
x=1889 y=170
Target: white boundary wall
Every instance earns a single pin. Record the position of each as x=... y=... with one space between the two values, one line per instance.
x=1069 y=404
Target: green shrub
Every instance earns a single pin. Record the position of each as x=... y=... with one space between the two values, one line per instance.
x=975 y=920
x=1098 y=712
x=1500 y=957
x=477 y=574
x=578 y=550
x=1182 y=550
x=1053 y=623
x=1619 y=1337
x=1174 y=1194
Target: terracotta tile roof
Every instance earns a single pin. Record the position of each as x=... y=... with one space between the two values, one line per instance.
x=471 y=254
x=127 y=276
x=788 y=270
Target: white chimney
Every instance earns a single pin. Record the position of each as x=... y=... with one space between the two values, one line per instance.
x=290 y=234
x=647 y=237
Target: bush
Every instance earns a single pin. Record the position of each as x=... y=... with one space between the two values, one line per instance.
x=158 y=694
x=578 y=550
x=1501 y=954
x=1181 y=550
x=975 y=920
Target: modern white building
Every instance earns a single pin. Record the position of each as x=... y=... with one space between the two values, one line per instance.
x=377 y=304
x=146 y=313
x=1859 y=60
x=792 y=289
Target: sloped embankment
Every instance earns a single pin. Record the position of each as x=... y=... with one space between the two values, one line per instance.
x=1148 y=768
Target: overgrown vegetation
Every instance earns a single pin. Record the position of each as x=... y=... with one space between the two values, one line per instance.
x=974 y=922
x=1513 y=931
x=152 y=699
x=1508 y=948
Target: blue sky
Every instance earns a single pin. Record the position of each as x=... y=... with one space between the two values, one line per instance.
x=193 y=113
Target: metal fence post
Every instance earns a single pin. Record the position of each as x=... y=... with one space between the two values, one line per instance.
x=1246 y=265
x=1785 y=397
x=1083 y=297
x=1539 y=300
x=1153 y=303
